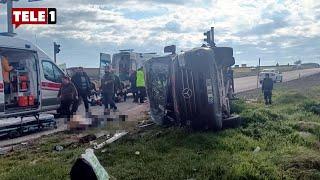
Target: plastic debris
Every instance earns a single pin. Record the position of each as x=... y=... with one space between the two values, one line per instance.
x=88 y=167
x=137 y=153
x=147 y=125
x=111 y=140
x=257 y=150
x=58 y=148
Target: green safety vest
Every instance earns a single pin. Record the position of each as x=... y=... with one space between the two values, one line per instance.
x=140 y=79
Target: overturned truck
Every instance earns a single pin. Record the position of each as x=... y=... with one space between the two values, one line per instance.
x=193 y=88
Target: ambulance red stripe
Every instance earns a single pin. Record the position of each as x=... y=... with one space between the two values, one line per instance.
x=50 y=86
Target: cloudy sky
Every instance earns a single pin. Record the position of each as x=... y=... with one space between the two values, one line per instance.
x=275 y=30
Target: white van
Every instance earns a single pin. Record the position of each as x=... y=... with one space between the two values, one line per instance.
x=274 y=74
x=34 y=82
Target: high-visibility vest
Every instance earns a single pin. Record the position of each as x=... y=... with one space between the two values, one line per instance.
x=6 y=68
x=140 y=79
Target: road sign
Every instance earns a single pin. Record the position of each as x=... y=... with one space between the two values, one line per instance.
x=105 y=60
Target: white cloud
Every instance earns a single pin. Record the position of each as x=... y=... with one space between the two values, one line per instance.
x=262 y=25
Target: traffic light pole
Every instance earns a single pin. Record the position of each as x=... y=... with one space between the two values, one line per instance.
x=54 y=56
x=56 y=50
x=9 y=16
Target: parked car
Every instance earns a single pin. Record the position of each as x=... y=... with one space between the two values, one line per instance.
x=274 y=74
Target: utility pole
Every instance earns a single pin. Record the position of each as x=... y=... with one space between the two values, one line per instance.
x=9 y=16
x=258 y=70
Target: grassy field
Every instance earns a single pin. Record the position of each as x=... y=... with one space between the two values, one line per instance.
x=275 y=142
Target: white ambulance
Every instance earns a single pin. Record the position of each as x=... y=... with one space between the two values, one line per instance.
x=34 y=81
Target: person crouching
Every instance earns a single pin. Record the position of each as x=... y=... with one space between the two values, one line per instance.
x=68 y=95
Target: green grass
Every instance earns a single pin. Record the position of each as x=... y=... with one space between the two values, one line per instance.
x=287 y=133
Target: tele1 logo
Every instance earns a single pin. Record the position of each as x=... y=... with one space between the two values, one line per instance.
x=34 y=16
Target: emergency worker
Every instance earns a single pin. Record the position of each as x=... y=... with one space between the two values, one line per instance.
x=6 y=69
x=267 y=87
x=68 y=95
x=140 y=84
x=82 y=82
x=108 y=86
x=133 y=85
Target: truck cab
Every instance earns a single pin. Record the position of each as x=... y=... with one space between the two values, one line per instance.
x=192 y=89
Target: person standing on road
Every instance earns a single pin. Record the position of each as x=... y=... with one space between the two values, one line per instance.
x=133 y=85
x=140 y=84
x=267 y=87
x=68 y=96
x=82 y=82
x=108 y=86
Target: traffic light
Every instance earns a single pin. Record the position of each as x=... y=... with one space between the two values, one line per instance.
x=207 y=39
x=56 y=48
x=210 y=37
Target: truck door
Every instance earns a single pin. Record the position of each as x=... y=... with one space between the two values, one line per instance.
x=51 y=78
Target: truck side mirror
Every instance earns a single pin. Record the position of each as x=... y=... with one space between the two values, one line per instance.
x=224 y=56
x=170 y=49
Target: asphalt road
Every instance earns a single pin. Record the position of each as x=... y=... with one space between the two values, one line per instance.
x=250 y=82
x=133 y=112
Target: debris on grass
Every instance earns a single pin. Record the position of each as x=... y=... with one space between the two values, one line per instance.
x=110 y=140
x=58 y=148
x=87 y=138
x=24 y=143
x=256 y=150
x=146 y=125
x=88 y=167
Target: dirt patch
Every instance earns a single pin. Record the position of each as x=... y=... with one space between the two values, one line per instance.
x=307 y=126
x=304 y=166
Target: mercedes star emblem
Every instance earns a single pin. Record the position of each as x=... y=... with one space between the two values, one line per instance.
x=187 y=93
